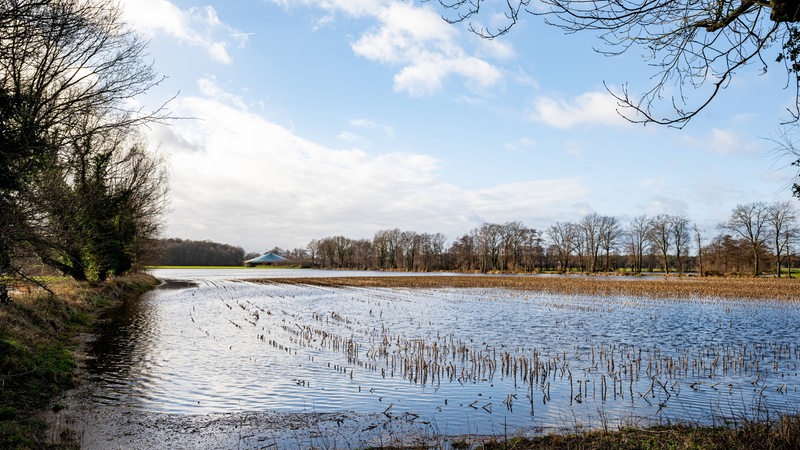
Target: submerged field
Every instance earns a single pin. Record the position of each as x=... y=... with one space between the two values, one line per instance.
x=347 y=362
x=652 y=287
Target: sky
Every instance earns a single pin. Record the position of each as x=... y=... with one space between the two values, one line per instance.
x=302 y=119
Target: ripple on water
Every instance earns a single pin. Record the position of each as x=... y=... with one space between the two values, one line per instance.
x=452 y=356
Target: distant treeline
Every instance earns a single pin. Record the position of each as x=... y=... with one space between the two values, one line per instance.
x=757 y=238
x=181 y=252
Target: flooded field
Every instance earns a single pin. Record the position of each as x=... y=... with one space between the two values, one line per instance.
x=259 y=364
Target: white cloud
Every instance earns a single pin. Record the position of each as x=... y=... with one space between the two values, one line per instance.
x=725 y=142
x=426 y=46
x=510 y=201
x=363 y=123
x=416 y=39
x=497 y=48
x=251 y=182
x=590 y=108
x=520 y=144
x=208 y=86
x=660 y=204
x=372 y=125
x=348 y=136
x=199 y=27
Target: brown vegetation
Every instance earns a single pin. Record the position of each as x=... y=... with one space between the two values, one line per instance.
x=661 y=287
x=784 y=434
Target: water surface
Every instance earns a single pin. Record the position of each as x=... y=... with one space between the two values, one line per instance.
x=453 y=361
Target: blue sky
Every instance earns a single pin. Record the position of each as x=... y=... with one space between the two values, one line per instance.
x=307 y=119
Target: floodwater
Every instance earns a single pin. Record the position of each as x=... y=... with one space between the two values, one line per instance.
x=212 y=360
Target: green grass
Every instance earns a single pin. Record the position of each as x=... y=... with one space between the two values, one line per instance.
x=37 y=333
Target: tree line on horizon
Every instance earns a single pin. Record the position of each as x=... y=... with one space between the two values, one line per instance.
x=186 y=252
x=756 y=238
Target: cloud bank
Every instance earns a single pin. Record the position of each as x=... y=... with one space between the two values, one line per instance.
x=249 y=178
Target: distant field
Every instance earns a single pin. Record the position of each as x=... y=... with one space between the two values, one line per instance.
x=662 y=287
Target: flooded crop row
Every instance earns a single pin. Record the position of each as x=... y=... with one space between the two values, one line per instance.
x=450 y=360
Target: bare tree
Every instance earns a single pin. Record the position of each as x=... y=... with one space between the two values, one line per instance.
x=327 y=252
x=792 y=235
x=660 y=237
x=532 y=250
x=438 y=242
x=610 y=233
x=465 y=251
x=344 y=249
x=637 y=238
x=181 y=252
x=781 y=217
x=68 y=70
x=362 y=254
x=727 y=254
x=580 y=247
x=380 y=244
x=409 y=244
x=692 y=45
x=386 y=245
x=750 y=222
x=699 y=242
x=679 y=226
x=512 y=237
x=313 y=251
x=487 y=241
x=591 y=228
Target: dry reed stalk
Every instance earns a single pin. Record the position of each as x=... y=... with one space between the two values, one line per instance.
x=781 y=289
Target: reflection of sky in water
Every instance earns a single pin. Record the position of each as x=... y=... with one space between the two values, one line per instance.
x=222 y=347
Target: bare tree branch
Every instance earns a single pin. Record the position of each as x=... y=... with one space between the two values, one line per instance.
x=694 y=46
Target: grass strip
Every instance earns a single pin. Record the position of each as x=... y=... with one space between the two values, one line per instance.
x=37 y=340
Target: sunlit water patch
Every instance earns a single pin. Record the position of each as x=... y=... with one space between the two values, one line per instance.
x=483 y=361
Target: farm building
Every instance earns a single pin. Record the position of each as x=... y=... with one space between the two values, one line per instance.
x=268 y=259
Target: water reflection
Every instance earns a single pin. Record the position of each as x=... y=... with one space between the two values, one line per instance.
x=122 y=352
x=468 y=360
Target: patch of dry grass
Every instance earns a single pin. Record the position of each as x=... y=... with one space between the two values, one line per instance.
x=36 y=313
x=782 y=289
x=782 y=435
